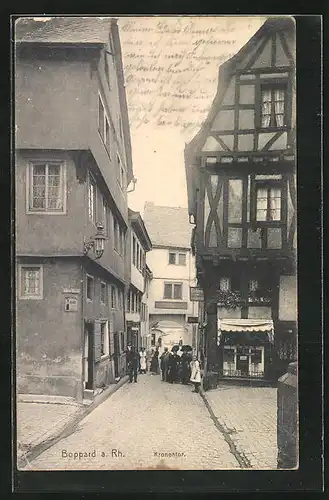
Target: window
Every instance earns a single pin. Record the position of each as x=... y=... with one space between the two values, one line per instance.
x=105 y=212
x=92 y=199
x=104 y=125
x=173 y=291
x=90 y=287
x=138 y=255
x=103 y=293
x=182 y=259
x=224 y=284
x=172 y=258
x=153 y=340
x=177 y=258
x=268 y=204
x=134 y=251
x=273 y=106
x=122 y=242
x=46 y=187
x=105 y=347
x=107 y=135
x=116 y=238
x=101 y=117
x=31 y=282
x=122 y=336
x=113 y=297
x=128 y=301
x=120 y=170
x=229 y=354
x=253 y=285
x=120 y=299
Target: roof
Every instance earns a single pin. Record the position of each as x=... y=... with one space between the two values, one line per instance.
x=168 y=226
x=70 y=31
x=138 y=226
x=66 y=29
x=245 y=325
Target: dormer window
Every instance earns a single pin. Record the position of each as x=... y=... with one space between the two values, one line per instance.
x=273 y=106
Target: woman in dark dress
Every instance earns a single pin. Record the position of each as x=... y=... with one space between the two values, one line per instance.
x=155 y=362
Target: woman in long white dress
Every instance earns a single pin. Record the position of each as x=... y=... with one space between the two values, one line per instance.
x=142 y=361
x=195 y=374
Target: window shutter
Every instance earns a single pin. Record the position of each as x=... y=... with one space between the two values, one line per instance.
x=97 y=340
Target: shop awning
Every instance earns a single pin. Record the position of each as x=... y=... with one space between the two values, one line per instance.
x=245 y=325
x=251 y=328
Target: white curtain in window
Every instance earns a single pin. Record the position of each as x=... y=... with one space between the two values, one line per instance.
x=279 y=107
x=261 y=204
x=31 y=281
x=38 y=198
x=266 y=108
x=275 y=204
x=54 y=187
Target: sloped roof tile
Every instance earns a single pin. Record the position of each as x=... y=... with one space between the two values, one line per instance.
x=168 y=226
x=63 y=29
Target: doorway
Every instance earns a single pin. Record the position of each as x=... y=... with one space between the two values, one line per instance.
x=242 y=363
x=88 y=363
x=242 y=360
x=116 y=354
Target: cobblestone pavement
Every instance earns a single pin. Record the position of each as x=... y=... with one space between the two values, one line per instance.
x=137 y=425
x=37 y=421
x=249 y=414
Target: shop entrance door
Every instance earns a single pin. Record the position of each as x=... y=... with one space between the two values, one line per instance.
x=116 y=354
x=88 y=355
x=242 y=360
x=242 y=363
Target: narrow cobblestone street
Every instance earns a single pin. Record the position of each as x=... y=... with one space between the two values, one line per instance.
x=140 y=426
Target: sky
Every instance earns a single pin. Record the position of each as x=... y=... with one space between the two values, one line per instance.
x=171 y=75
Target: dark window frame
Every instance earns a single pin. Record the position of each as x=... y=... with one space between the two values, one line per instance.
x=265 y=184
x=172 y=286
x=273 y=85
x=90 y=279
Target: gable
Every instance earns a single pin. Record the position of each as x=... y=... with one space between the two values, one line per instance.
x=234 y=122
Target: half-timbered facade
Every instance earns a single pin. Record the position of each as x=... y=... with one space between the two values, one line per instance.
x=241 y=179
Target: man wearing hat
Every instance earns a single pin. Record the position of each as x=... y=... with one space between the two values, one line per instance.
x=132 y=363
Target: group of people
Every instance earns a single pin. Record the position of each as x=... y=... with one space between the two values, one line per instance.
x=177 y=365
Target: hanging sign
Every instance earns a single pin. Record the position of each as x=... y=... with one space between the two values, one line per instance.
x=196 y=294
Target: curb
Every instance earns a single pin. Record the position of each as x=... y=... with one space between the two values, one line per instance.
x=68 y=428
x=240 y=457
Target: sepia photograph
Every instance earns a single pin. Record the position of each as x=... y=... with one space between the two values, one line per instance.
x=156 y=243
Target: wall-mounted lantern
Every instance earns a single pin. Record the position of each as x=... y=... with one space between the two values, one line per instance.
x=96 y=243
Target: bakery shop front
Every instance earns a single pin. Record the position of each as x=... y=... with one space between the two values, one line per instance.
x=246 y=347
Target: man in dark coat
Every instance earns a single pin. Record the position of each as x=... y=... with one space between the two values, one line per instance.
x=173 y=366
x=186 y=359
x=164 y=364
x=132 y=363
